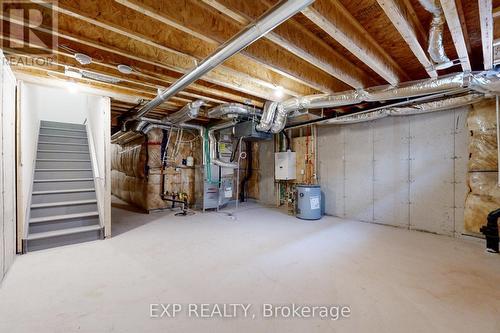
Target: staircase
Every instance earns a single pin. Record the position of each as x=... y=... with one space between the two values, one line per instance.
x=63 y=201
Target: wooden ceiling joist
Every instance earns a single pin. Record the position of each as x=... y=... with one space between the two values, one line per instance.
x=486 y=19
x=496 y=12
x=336 y=21
x=218 y=29
x=98 y=49
x=455 y=26
x=461 y=16
x=105 y=89
x=144 y=29
x=298 y=40
x=399 y=14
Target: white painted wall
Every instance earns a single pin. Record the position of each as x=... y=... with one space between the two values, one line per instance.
x=7 y=167
x=39 y=102
x=99 y=132
x=403 y=171
x=55 y=104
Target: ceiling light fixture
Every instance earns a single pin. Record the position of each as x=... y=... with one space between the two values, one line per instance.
x=83 y=58
x=124 y=69
x=73 y=73
x=72 y=87
x=278 y=92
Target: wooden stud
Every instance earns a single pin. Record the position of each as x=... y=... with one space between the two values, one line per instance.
x=486 y=20
x=496 y=12
x=295 y=38
x=335 y=20
x=398 y=13
x=453 y=20
x=219 y=29
x=144 y=29
x=230 y=79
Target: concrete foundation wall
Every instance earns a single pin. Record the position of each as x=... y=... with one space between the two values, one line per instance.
x=403 y=171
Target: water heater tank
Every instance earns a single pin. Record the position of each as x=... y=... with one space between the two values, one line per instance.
x=309 y=202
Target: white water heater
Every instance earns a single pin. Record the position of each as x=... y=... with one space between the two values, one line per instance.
x=284 y=165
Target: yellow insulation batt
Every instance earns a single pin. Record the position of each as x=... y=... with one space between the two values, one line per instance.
x=483 y=154
x=141 y=192
x=484 y=195
x=482 y=117
x=477 y=208
x=137 y=168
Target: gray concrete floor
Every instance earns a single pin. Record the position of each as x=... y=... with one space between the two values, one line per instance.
x=394 y=280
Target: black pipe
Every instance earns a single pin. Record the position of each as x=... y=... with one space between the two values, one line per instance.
x=146 y=165
x=490 y=231
x=163 y=146
x=174 y=201
x=249 y=171
x=288 y=145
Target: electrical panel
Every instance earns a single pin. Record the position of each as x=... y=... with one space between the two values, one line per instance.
x=284 y=165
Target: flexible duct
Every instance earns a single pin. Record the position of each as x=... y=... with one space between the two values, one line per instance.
x=484 y=82
x=267 y=116
x=153 y=123
x=188 y=112
x=380 y=93
x=122 y=137
x=213 y=146
x=232 y=110
x=438 y=105
x=144 y=125
x=406 y=110
x=265 y=23
x=436 y=32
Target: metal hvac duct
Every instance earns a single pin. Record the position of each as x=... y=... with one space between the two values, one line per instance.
x=267 y=116
x=265 y=23
x=232 y=110
x=199 y=128
x=380 y=93
x=407 y=110
x=148 y=124
x=484 y=82
x=438 y=105
x=188 y=112
x=213 y=143
x=436 y=33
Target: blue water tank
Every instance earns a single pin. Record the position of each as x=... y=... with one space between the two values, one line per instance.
x=309 y=202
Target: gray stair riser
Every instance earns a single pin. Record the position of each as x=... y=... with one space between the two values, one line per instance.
x=58 y=197
x=59 y=147
x=62 y=154
x=63 y=174
x=63 y=165
x=63 y=139
x=63 y=224
x=46 y=243
x=84 y=155
x=71 y=185
x=62 y=210
x=52 y=131
x=45 y=123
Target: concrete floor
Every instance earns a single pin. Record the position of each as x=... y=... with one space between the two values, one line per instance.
x=394 y=280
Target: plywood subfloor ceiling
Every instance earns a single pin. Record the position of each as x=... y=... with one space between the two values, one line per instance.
x=331 y=46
